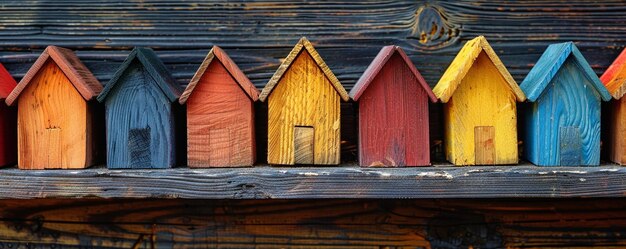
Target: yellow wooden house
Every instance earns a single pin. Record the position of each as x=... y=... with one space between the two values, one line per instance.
x=479 y=97
x=303 y=100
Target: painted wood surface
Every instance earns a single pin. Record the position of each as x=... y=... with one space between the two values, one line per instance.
x=220 y=121
x=393 y=118
x=303 y=92
x=52 y=123
x=538 y=223
x=8 y=120
x=613 y=79
x=563 y=122
x=139 y=122
x=482 y=98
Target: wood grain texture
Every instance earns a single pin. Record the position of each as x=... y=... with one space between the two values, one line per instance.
x=484 y=144
x=52 y=123
x=347 y=34
x=303 y=44
x=140 y=125
x=75 y=71
x=304 y=96
x=464 y=61
x=479 y=223
x=229 y=65
x=393 y=117
x=569 y=96
x=220 y=109
x=617 y=130
x=348 y=181
x=482 y=98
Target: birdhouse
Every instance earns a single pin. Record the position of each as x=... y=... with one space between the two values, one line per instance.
x=220 y=114
x=563 y=122
x=613 y=79
x=303 y=100
x=479 y=97
x=55 y=112
x=393 y=112
x=8 y=120
x=139 y=113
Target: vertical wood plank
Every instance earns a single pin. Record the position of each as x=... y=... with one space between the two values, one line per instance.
x=303 y=96
x=51 y=101
x=55 y=151
x=485 y=144
x=569 y=145
x=218 y=103
x=482 y=98
x=304 y=144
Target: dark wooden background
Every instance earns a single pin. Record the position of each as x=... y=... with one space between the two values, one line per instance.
x=348 y=35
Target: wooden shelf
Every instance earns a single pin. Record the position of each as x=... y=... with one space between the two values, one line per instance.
x=347 y=181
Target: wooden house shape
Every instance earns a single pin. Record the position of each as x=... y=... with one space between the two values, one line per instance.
x=614 y=79
x=479 y=97
x=393 y=102
x=8 y=120
x=563 y=123
x=55 y=112
x=303 y=110
x=220 y=114
x=139 y=113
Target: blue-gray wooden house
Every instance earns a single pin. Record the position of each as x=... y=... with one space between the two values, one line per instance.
x=139 y=114
x=563 y=121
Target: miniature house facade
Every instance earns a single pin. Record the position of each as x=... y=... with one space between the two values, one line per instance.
x=563 y=123
x=303 y=100
x=480 y=110
x=139 y=114
x=220 y=114
x=393 y=102
x=614 y=79
x=8 y=120
x=55 y=121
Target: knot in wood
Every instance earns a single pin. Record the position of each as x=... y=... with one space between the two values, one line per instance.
x=432 y=28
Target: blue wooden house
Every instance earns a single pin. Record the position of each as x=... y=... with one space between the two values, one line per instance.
x=139 y=115
x=563 y=120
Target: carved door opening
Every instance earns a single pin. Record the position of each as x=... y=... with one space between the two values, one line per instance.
x=303 y=137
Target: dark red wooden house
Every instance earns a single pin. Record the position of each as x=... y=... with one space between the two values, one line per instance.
x=8 y=120
x=393 y=112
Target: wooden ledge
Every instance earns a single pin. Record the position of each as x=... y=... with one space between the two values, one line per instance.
x=347 y=181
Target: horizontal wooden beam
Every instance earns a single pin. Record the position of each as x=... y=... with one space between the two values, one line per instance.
x=346 y=181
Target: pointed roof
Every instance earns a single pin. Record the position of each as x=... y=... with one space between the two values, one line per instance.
x=303 y=44
x=7 y=83
x=615 y=76
x=463 y=62
x=378 y=63
x=155 y=68
x=82 y=79
x=232 y=68
x=549 y=64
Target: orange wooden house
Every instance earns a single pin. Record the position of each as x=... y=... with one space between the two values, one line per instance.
x=220 y=114
x=8 y=120
x=614 y=79
x=55 y=107
x=303 y=110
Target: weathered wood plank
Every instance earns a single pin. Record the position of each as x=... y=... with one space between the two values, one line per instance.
x=427 y=223
x=264 y=182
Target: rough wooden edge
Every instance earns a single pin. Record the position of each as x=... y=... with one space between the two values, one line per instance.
x=484 y=44
x=82 y=79
x=461 y=64
x=303 y=43
x=232 y=68
x=263 y=182
x=588 y=71
x=155 y=68
x=615 y=85
x=7 y=83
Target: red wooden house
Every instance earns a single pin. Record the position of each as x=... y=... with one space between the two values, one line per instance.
x=8 y=120
x=220 y=114
x=393 y=112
